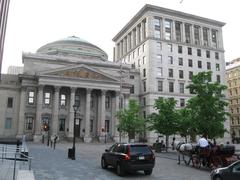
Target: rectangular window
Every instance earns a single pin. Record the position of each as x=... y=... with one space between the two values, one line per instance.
x=159 y=46
x=29 y=123
x=190 y=75
x=181 y=75
x=107 y=126
x=180 y=61
x=178 y=31
x=181 y=87
x=214 y=38
x=169 y=47
x=10 y=102
x=171 y=87
x=138 y=51
x=144 y=72
x=170 y=72
x=168 y=29
x=159 y=58
x=218 y=79
x=107 y=102
x=63 y=100
x=139 y=63
x=160 y=86
x=187 y=33
x=78 y=100
x=170 y=60
x=199 y=64
x=208 y=65
x=180 y=49
x=217 y=67
x=144 y=86
x=189 y=51
x=216 y=55
x=132 y=90
x=182 y=102
x=31 y=97
x=143 y=48
x=159 y=71
x=62 y=124
x=144 y=60
x=8 y=123
x=157 y=26
x=205 y=36
x=131 y=76
x=47 y=97
x=199 y=52
x=190 y=63
x=208 y=54
x=196 y=35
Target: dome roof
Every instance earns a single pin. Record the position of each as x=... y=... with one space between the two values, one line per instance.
x=73 y=47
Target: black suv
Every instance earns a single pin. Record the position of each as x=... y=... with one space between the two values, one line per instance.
x=129 y=157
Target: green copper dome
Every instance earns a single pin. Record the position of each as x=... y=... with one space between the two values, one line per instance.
x=73 y=47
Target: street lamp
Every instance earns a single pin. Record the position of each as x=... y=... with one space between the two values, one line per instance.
x=71 y=152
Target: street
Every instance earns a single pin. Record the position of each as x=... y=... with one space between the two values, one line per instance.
x=50 y=164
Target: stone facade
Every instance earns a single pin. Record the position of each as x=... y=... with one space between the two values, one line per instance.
x=59 y=75
x=168 y=47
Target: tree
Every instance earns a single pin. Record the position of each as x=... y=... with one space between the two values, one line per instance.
x=185 y=125
x=208 y=106
x=130 y=121
x=165 y=121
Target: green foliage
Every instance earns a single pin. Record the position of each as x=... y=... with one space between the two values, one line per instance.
x=207 y=107
x=130 y=120
x=165 y=121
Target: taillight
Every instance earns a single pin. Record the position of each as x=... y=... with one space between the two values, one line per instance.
x=127 y=156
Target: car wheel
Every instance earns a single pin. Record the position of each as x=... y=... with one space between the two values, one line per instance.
x=120 y=170
x=217 y=178
x=103 y=163
x=148 y=172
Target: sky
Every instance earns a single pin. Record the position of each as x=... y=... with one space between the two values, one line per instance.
x=34 y=23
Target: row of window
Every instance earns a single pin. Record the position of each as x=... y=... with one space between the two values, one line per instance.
x=181 y=102
x=193 y=33
x=189 y=50
x=133 y=55
x=237 y=122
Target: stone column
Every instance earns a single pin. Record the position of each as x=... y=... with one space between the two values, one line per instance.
x=103 y=115
x=183 y=32
x=173 y=31
x=38 y=124
x=55 y=111
x=201 y=35
x=71 y=112
x=192 y=34
x=21 y=120
x=149 y=27
x=115 y=119
x=87 y=137
x=143 y=26
x=210 y=37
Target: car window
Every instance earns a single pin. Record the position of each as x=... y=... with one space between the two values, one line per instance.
x=236 y=168
x=140 y=149
x=112 y=147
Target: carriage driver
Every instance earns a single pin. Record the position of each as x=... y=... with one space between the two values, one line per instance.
x=203 y=143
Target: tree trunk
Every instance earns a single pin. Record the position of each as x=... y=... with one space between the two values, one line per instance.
x=167 y=140
x=131 y=135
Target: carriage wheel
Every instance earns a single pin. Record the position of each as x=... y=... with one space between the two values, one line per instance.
x=196 y=161
x=215 y=162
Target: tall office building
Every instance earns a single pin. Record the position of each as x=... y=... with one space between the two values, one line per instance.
x=4 y=5
x=233 y=82
x=169 y=47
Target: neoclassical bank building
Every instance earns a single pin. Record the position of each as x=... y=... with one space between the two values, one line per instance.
x=58 y=76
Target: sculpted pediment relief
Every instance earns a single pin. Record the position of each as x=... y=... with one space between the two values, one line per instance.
x=82 y=73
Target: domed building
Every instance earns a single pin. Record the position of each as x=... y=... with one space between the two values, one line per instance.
x=61 y=78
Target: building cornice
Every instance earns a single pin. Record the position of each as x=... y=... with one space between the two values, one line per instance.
x=171 y=12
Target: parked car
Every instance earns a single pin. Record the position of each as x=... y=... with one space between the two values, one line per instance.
x=129 y=157
x=231 y=172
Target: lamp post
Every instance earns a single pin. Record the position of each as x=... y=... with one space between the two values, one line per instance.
x=71 y=152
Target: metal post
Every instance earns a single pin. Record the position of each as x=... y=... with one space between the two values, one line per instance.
x=14 y=168
x=74 y=122
x=30 y=163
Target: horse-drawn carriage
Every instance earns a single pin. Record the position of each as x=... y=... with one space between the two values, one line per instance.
x=212 y=157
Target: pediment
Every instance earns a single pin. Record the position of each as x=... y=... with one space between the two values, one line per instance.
x=82 y=72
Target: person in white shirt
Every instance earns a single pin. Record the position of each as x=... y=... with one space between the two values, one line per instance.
x=202 y=142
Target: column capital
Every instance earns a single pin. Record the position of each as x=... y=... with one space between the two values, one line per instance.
x=88 y=90
x=57 y=88
x=73 y=89
x=103 y=92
